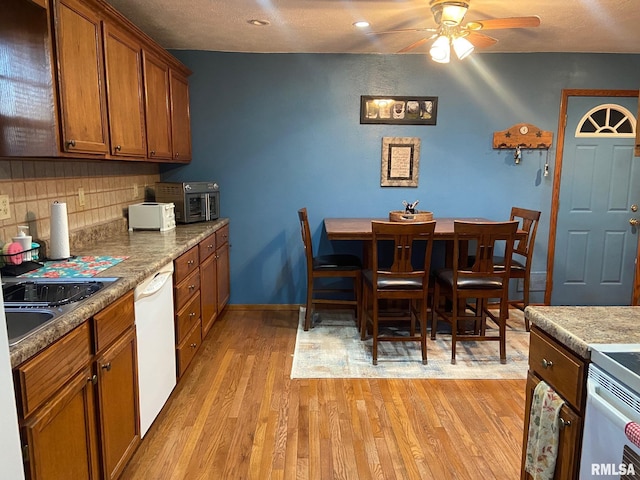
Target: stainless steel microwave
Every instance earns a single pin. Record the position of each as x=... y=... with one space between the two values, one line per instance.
x=194 y=201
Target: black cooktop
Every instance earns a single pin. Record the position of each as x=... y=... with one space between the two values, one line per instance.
x=629 y=360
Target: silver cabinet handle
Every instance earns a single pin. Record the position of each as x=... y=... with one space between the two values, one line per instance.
x=118 y=148
x=564 y=423
x=71 y=143
x=107 y=367
x=193 y=345
x=93 y=379
x=546 y=363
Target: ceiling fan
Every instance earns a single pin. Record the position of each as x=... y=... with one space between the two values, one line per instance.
x=464 y=38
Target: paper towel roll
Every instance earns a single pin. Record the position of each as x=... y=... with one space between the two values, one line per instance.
x=59 y=241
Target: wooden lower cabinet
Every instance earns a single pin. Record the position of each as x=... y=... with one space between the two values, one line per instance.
x=61 y=436
x=118 y=404
x=78 y=404
x=567 y=461
x=222 y=270
x=202 y=276
x=565 y=372
x=208 y=293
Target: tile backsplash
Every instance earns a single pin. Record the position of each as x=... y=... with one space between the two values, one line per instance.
x=108 y=188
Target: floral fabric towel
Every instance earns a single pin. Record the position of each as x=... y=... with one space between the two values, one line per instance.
x=542 y=441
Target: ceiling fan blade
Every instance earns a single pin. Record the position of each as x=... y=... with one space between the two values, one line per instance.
x=404 y=30
x=499 y=23
x=480 y=40
x=408 y=48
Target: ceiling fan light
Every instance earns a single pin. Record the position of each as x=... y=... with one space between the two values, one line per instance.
x=462 y=47
x=440 y=50
x=452 y=14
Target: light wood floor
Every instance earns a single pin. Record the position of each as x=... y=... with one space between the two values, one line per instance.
x=238 y=415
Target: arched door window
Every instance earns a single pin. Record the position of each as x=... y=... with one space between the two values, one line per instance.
x=607 y=120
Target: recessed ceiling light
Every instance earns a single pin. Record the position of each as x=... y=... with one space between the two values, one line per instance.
x=258 y=23
x=361 y=24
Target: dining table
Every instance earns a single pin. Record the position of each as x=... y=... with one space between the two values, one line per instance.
x=359 y=228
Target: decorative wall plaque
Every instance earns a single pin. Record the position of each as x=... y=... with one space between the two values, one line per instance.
x=400 y=162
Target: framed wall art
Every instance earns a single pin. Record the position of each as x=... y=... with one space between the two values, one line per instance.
x=392 y=110
x=400 y=162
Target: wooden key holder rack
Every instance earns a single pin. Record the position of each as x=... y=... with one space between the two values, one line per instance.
x=523 y=135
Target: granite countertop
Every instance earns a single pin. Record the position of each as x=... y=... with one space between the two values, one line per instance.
x=148 y=251
x=578 y=327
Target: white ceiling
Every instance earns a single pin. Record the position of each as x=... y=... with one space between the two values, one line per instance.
x=325 y=26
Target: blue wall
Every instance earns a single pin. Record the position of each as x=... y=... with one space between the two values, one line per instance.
x=281 y=131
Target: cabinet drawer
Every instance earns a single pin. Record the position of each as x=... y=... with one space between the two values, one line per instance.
x=207 y=247
x=188 y=348
x=42 y=376
x=187 y=317
x=111 y=322
x=185 y=289
x=185 y=264
x=561 y=369
x=222 y=236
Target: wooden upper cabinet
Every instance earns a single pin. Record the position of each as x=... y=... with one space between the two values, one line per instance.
x=81 y=88
x=157 y=107
x=180 y=117
x=125 y=99
x=28 y=127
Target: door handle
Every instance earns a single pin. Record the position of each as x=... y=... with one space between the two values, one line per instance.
x=634 y=222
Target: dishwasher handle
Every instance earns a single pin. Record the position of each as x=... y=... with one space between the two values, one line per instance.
x=155 y=285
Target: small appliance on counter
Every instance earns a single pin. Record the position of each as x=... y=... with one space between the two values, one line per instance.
x=152 y=216
x=194 y=201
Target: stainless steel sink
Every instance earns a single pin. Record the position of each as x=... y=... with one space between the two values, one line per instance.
x=31 y=304
x=22 y=322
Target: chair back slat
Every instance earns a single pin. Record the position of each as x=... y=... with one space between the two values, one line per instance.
x=409 y=241
x=529 y=223
x=305 y=231
x=482 y=239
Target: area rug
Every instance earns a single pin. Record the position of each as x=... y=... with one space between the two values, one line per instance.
x=333 y=349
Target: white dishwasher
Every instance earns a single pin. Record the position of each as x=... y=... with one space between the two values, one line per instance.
x=156 y=344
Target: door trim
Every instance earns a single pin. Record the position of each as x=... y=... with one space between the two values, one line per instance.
x=557 y=175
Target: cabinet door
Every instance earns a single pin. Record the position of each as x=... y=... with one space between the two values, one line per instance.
x=157 y=107
x=28 y=119
x=118 y=404
x=567 y=461
x=208 y=293
x=80 y=78
x=180 y=118
x=222 y=255
x=61 y=436
x=125 y=100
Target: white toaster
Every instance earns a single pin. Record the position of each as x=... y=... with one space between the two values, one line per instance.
x=152 y=216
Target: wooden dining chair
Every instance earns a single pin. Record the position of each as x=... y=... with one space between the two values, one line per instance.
x=336 y=266
x=481 y=282
x=522 y=254
x=402 y=279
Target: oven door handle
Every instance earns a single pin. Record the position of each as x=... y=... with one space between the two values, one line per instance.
x=207 y=208
x=605 y=404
